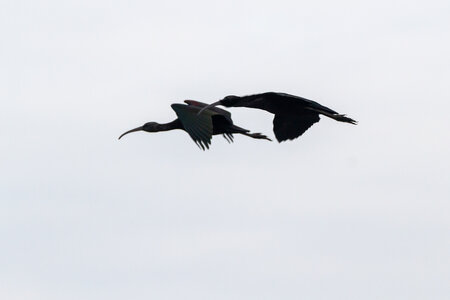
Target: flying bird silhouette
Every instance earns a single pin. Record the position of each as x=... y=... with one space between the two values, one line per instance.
x=293 y=114
x=202 y=127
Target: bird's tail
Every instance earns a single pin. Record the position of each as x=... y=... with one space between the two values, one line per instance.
x=335 y=116
x=256 y=135
x=343 y=118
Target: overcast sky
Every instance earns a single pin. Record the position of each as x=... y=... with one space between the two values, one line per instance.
x=344 y=212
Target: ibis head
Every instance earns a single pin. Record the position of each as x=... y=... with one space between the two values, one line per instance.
x=229 y=100
x=149 y=127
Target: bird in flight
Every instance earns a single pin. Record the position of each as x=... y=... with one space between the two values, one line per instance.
x=200 y=127
x=293 y=114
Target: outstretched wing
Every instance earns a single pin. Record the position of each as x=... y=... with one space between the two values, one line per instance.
x=217 y=110
x=199 y=127
x=290 y=126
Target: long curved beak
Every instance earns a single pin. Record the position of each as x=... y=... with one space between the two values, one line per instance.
x=132 y=130
x=209 y=106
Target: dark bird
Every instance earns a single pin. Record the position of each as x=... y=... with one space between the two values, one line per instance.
x=200 y=127
x=293 y=114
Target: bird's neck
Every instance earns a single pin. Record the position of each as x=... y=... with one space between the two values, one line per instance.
x=175 y=124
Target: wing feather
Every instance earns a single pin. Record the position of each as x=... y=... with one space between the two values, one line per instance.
x=199 y=127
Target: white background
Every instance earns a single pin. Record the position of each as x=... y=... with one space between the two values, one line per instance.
x=343 y=212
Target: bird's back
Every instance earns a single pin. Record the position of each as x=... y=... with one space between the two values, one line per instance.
x=274 y=102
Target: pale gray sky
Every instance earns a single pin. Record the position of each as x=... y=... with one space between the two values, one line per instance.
x=344 y=212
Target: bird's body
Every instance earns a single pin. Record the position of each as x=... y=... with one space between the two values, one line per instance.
x=293 y=114
x=202 y=127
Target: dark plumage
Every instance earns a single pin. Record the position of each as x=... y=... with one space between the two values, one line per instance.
x=293 y=114
x=202 y=127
